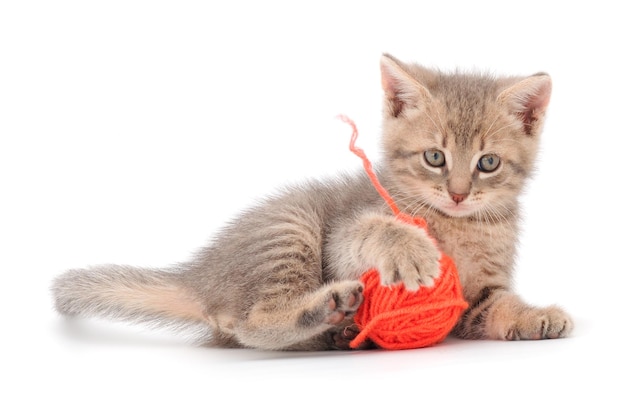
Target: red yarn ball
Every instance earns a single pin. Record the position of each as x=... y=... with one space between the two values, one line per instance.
x=394 y=318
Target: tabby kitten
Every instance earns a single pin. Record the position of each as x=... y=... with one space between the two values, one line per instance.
x=458 y=149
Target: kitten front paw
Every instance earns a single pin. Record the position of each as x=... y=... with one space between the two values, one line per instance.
x=415 y=262
x=539 y=323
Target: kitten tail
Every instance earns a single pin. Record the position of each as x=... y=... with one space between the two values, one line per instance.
x=128 y=294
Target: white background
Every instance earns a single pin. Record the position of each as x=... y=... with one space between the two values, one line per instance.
x=131 y=131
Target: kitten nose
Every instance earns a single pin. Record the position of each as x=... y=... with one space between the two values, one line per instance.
x=458 y=198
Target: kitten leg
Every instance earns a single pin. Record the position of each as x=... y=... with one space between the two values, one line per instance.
x=401 y=252
x=283 y=321
x=500 y=314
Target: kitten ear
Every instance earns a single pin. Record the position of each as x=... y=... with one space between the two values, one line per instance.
x=528 y=99
x=402 y=90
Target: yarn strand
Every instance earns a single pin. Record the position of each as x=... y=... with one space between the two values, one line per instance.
x=369 y=170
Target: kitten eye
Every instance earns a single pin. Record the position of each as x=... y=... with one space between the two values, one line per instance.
x=435 y=158
x=488 y=163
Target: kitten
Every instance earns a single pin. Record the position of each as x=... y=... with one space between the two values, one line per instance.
x=458 y=149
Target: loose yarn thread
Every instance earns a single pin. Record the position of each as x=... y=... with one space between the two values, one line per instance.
x=393 y=317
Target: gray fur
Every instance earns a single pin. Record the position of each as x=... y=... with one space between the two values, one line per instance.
x=284 y=274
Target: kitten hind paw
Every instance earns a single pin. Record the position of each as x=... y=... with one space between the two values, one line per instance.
x=336 y=302
x=342 y=336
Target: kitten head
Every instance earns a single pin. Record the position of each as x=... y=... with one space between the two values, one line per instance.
x=460 y=144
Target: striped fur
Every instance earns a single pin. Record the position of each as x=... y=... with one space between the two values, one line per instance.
x=284 y=274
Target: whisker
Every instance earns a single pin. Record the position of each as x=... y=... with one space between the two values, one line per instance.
x=487 y=135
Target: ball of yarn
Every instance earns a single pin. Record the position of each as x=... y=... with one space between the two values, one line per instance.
x=395 y=318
